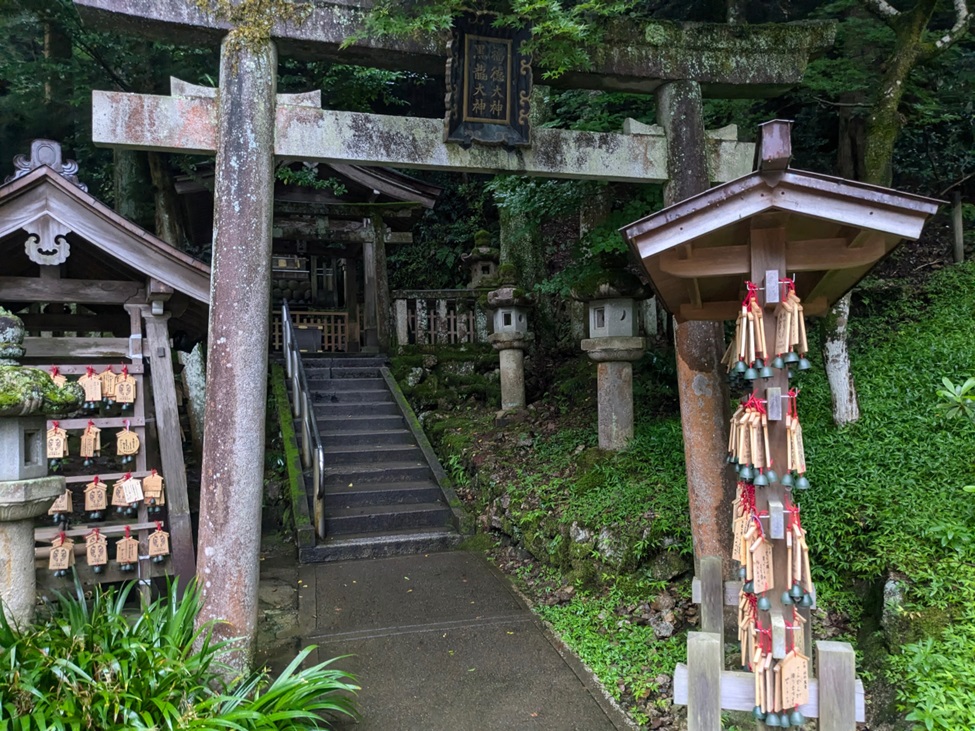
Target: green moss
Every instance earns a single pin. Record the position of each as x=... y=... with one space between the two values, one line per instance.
x=292 y=457
x=31 y=391
x=508 y=273
x=482 y=238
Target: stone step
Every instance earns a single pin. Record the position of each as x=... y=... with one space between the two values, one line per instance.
x=376 y=437
x=351 y=397
x=380 y=544
x=372 y=455
x=353 y=476
x=356 y=423
x=383 y=493
x=378 y=518
x=323 y=360
x=318 y=384
x=341 y=372
x=332 y=410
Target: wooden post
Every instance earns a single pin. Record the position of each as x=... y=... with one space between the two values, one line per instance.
x=170 y=447
x=837 y=686
x=704 y=681
x=712 y=597
x=958 y=227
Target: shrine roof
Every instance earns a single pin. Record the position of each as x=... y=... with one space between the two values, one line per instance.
x=698 y=252
x=44 y=193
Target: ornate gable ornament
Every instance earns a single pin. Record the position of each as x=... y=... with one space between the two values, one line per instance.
x=46 y=152
x=46 y=242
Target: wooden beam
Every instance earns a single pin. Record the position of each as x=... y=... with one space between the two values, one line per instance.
x=82 y=291
x=738 y=693
x=110 y=322
x=810 y=255
x=87 y=348
x=704 y=663
x=729 y=309
x=170 y=445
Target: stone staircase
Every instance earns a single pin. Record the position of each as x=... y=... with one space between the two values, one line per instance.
x=385 y=492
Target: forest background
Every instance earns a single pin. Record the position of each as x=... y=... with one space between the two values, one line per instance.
x=889 y=103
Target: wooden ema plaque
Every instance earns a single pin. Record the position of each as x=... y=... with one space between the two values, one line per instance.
x=127 y=550
x=62 y=555
x=152 y=488
x=96 y=496
x=96 y=549
x=158 y=543
x=57 y=442
x=92 y=386
x=62 y=505
x=125 y=388
x=108 y=378
x=127 y=443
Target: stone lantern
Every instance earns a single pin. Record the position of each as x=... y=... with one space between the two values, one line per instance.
x=510 y=338
x=483 y=261
x=26 y=492
x=613 y=344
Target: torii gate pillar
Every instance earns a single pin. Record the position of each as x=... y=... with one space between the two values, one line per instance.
x=228 y=566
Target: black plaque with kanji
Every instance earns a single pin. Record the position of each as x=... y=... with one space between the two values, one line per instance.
x=489 y=83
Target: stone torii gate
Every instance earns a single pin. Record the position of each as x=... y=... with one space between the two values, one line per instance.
x=247 y=125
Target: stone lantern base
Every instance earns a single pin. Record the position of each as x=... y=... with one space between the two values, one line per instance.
x=614 y=377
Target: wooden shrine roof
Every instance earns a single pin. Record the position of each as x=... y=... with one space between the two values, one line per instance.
x=105 y=246
x=698 y=255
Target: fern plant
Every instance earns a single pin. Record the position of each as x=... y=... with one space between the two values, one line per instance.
x=96 y=665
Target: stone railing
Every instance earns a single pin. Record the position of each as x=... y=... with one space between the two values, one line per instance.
x=438 y=316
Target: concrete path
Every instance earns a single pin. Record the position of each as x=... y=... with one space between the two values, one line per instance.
x=441 y=642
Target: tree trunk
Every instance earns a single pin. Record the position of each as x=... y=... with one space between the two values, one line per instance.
x=169 y=226
x=883 y=127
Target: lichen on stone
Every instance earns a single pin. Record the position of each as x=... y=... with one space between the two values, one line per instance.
x=25 y=391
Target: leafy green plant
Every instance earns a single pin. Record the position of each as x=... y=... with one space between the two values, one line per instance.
x=96 y=665
x=958 y=400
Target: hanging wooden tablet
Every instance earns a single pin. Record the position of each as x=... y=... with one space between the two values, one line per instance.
x=96 y=499
x=57 y=442
x=91 y=443
x=155 y=494
x=57 y=377
x=62 y=507
x=62 y=555
x=108 y=377
x=127 y=551
x=132 y=490
x=158 y=544
x=92 y=386
x=764 y=579
x=96 y=549
x=125 y=389
x=119 y=502
x=127 y=444
x=795 y=680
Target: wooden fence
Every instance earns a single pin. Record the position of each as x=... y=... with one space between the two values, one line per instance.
x=439 y=316
x=333 y=327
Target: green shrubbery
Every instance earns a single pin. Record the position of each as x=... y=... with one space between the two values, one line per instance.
x=93 y=665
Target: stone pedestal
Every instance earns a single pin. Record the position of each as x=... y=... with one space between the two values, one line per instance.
x=615 y=356
x=20 y=502
x=511 y=349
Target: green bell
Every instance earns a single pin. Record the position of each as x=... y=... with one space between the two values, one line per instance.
x=807 y=600
x=796 y=591
x=748 y=587
x=772 y=719
x=766 y=372
x=740 y=367
x=777 y=362
x=786 y=598
x=802 y=483
x=761 y=480
x=784 y=718
x=772 y=476
x=751 y=374
x=791 y=357
x=787 y=481
x=742 y=573
x=746 y=472
x=764 y=604
x=758 y=714
x=804 y=364
x=797 y=718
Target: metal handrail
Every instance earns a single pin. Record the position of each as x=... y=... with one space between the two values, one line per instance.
x=312 y=449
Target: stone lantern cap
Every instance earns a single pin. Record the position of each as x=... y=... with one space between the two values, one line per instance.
x=508 y=297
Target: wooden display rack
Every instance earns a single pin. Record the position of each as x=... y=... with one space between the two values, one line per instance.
x=826 y=233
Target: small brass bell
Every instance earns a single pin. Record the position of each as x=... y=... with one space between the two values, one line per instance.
x=784 y=718
x=797 y=718
x=804 y=364
x=772 y=719
x=758 y=714
x=772 y=476
x=807 y=600
x=764 y=604
x=777 y=362
x=786 y=598
x=787 y=480
x=761 y=480
x=98 y=569
x=791 y=357
x=740 y=367
x=802 y=483
x=796 y=591
x=748 y=587
x=742 y=573
x=746 y=473
x=751 y=374
x=766 y=372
